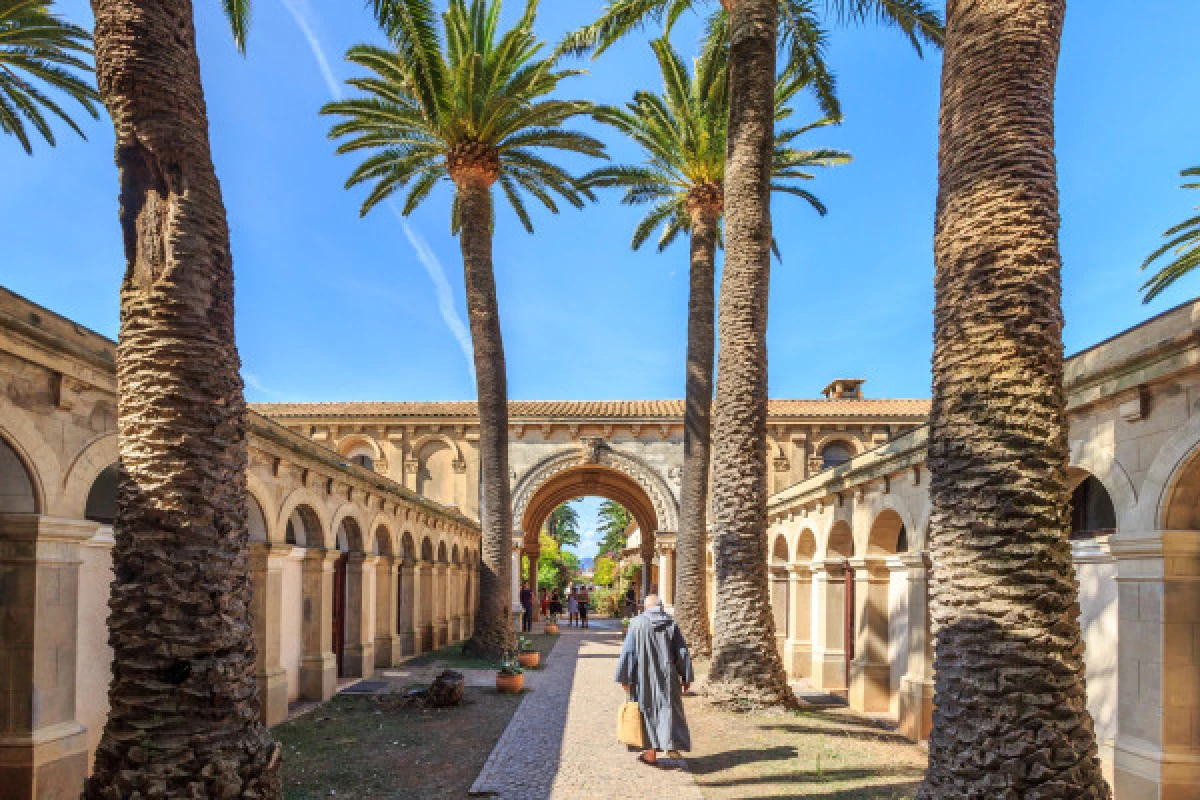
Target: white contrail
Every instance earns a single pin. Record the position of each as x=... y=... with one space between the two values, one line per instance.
x=433 y=266
x=299 y=10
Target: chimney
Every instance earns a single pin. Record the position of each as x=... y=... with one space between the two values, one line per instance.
x=844 y=389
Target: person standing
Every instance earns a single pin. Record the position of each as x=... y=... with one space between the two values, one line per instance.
x=630 y=602
x=526 y=608
x=572 y=606
x=655 y=669
x=545 y=602
x=584 y=599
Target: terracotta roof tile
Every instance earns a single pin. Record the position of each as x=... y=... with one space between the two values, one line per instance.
x=588 y=409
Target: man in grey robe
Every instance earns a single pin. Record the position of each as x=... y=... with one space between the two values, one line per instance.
x=655 y=669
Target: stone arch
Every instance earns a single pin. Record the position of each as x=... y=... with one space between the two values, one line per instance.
x=381 y=539
x=20 y=490
x=595 y=470
x=455 y=555
x=427 y=549
x=408 y=546
x=101 y=502
x=1161 y=480
x=98 y=455
x=1092 y=512
x=256 y=520
x=348 y=531
x=779 y=589
x=779 y=550
x=442 y=558
x=304 y=506
x=1180 y=507
x=355 y=444
x=806 y=546
x=840 y=542
x=847 y=445
x=1105 y=468
x=888 y=534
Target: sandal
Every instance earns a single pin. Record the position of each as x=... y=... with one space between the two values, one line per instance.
x=642 y=758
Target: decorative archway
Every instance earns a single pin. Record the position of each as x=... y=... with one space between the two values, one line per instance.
x=595 y=469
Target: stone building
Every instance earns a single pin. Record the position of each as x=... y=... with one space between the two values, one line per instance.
x=366 y=540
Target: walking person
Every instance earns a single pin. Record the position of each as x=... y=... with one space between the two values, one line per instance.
x=526 y=608
x=545 y=602
x=555 y=605
x=572 y=606
x=655 y=670
x=584 y=599
x=630 y=602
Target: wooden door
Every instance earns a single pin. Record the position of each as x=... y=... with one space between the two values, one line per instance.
x=339 y=610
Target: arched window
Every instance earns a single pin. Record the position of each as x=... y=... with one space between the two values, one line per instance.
x=834 y=453
x=363 y=460
x=1092 y=512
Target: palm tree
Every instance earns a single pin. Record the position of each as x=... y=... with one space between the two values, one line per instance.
x=1010 y=715
x=473 y=109
x=563 y=525
x=746 y=663
x=683 y=135
x=614 y=521
x=184 y=715
x=39 y=47
x=1183 y=242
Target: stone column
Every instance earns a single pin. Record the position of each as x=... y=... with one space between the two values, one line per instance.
x=870 y=672
x=441 y=627
x=1157 y=753
x=266 y=576
x=516 y=573
x=778 y=577
x=43 y=747
x=532 y=557
x=454 y=601
x=359 y=658
x=387 y=600
x=666 y=572
x=425 y=607
x=318 y=664
x=828 y=645
x=406 y=628
x=797 y=649
x=647 y=553
x=916 y=688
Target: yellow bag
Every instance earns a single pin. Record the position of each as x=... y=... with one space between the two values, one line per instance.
x=629 y=725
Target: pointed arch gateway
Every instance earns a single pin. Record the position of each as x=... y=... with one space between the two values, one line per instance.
x=596 y=470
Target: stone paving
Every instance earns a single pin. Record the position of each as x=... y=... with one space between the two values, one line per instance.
x=561 y=742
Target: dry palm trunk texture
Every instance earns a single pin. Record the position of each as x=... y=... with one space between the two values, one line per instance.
x=493 y=623
x=691 y=583
x=1010 y=717
x=745 y=663
x=184 y=718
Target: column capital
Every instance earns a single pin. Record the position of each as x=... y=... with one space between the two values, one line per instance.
x=800 y=571
x=318 y=555
x=38 y=527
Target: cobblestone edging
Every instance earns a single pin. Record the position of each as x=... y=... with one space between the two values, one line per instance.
x=560 y=742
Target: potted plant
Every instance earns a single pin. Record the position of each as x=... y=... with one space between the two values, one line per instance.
x=552 y=625
x=528 y=657
x=510 y=678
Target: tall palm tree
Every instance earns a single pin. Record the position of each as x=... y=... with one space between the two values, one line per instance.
x=39 y=47
x=1010 y=715
x=473 y=108
x=1183 y=243
x=683 y=133
x=184 y=712
x=746 y=663
x=614 y=521
x=563 y=525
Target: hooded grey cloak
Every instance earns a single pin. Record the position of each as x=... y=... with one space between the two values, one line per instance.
x=655 y=662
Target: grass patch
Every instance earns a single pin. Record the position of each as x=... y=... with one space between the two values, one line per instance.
x=355 y=748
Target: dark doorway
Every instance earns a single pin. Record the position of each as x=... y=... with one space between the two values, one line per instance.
x=339 y=611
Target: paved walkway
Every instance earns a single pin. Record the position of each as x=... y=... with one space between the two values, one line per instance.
x=561 y=742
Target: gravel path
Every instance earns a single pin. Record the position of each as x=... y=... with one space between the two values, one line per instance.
x=561 y=742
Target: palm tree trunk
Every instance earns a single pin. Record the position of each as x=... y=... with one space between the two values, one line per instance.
x=1010 y=716
x=493 y=625
x=691 y=592
x=184 y=717
x=745 y=663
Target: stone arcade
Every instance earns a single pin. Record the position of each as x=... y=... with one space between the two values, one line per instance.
x=366 y=544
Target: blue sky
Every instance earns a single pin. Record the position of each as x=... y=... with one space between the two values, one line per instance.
x=334 y=307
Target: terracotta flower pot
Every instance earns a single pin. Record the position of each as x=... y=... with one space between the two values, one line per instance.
x=529 y=659
x=552 y=628
x=509 y=684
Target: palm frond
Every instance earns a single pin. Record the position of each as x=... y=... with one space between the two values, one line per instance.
x=1183 y=245
x=238 y=14
x=39 y=51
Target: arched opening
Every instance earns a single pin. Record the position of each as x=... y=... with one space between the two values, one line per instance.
x=346 y=631
x=406 y=598
x=360 y=451
x=101 y=505
x=1092 y=511
x=363 y=460
x=779 y=591
x=798 y=648
x=300 y=618
x=835 y=453
x=256 y=521
x=425 y=597
x=623 y=493
x=881 y=614
x=17 y=495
